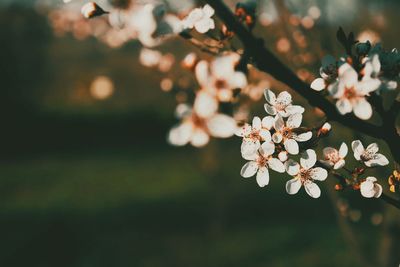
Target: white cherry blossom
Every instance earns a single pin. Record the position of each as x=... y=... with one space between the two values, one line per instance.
x=328 y=72
x=351 y=93
x=219 y=77
x=369 y=155
x=197 y=131
x=285 y=132
x=281 y=105
x=200 y=19
x=334 y=158
x=370 y=188
x=260 y=162
x=304 y=174
x=253 y=135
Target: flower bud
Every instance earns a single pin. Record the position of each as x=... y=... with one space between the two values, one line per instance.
x=91 y=10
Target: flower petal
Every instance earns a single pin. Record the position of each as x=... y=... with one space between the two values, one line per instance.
x=358 y=149
x=362 y=109
x=378 y=190
x=202 y=73
x=291 y=146
x=344 y=106
x=367 y=189
x=277 y=137
x=292 y=167
x=262 y=177
x=267 y=148
x=265 y=135
x=279 y=123
x=293 y=186
x=256 y=124
x=284 y=98
x=267 y=122
x=294 y=121
x=303 y=137
x=378 y=160
x=270 y=97
x=308 y=159
x=221 y=126
x=293 y=109
x=343 y=150
x=205 y=104
x=270 y=109
x=199 y=138
x=180 y=135
x=283 y=156
x=339 y=164
x=249 y=169
x=312 y=189
x=276 y=165
x=318 y=84
x=249 y=148
x=243 y=131
x=318 y=173
x=372 y=148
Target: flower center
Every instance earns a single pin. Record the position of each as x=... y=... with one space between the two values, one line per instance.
x=350 y=93
x=333 y=156
x=304 y=175
x=262 y=161
x=367 y=155
x=221 y=84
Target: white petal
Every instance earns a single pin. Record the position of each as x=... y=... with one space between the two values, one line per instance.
x=293 y=186
x=292 y=167
x=237 y=80
x=339 y=164
x=312 y=189
x=276 y=165
x=270 y=109
x=270 y=97
x=378 y=160
x=372 y=148
x=318 y=173
x=358 y=149
x=277 y=137
x=180 y=135
x=256 y=123
x=204 y=25
x=318 y=84
x=283 y=156
x=343 y=150
x=262 y=177
x=265 y=135
x=267 y=148
x=348 y=75
x=378 y=190
x=362 y=109
x=208 y=10
x=291 y=146
x=279 y=123
x=308 y=159
x=344 y=106
x=243 y=131
x=205 y=105
x=293 y=109
x=249 y=147
x=267 y=122
x=294 y=121
x=371 y=179
x=303 y=137
x=202 y=73
x=284 y=98
x=199 y=138
x=367 y=189
x=249 y=169
x=221 y=126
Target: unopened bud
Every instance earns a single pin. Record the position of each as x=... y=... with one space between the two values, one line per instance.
x=91 y=10
x=338 y=187
x=325 y=129
x=190 y=61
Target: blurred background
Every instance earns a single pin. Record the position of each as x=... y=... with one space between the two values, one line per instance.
x=88 y=179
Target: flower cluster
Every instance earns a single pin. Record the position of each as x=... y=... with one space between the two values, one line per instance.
x=268 y=143
x=352 y=79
